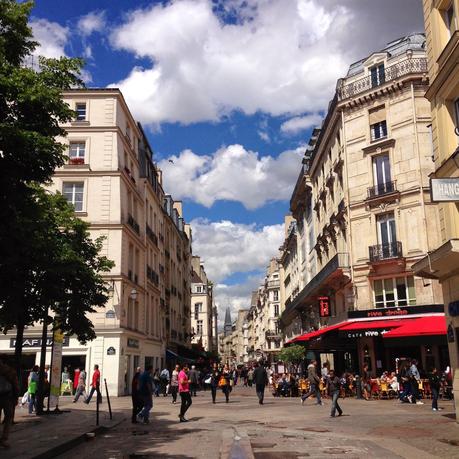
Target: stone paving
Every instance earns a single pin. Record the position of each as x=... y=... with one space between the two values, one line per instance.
x=280 y=429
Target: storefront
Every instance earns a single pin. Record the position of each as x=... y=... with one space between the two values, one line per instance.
x=381 y=338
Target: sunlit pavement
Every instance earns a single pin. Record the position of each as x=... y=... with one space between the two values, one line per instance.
x=281 y=428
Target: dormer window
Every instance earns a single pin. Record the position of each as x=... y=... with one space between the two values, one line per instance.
x=377 y=75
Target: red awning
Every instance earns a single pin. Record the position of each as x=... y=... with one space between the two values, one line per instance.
x=431 y=325
x=317 y=333
x=375 y=324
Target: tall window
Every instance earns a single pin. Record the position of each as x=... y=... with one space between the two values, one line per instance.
x=276 y=295
x=80 y=109
x=199 y=327
x=378 y=130
x=73 y=192
x=387 y=235
x=198 y=289
x=276 y=310
x=77 y=152
x=394 y=292
x=381 y=174
x=377 y=75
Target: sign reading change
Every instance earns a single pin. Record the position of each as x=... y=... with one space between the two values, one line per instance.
x=444 y=189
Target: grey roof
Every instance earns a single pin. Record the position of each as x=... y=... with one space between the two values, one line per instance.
x=415 y=42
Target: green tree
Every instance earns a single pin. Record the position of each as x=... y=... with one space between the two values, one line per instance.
x=31 y=114
x=293 y=354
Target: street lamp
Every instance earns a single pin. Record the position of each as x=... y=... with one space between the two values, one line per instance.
x=133 y=294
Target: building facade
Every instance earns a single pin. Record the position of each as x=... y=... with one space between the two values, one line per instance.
x=365 y=176
x=442 y=40
x=202 y=307
x=113 y=184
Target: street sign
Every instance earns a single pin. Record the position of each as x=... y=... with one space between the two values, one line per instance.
x=324 y=306
x=444 y=189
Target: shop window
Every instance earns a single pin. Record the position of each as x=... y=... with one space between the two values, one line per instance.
x=392 y=292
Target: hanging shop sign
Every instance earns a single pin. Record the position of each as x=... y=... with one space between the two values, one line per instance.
x=324 y=306
x=444 y=189
x=56 y=367
x=29 y=342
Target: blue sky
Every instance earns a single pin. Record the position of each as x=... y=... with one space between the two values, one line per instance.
x=230 y=90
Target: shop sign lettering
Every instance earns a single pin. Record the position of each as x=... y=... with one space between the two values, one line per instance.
x=29 y=342
x=444 y=189
x=324 y=306
x=131 y=342
x=394 y=312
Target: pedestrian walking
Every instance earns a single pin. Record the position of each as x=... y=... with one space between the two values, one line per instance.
x=9 y=393
x=224 y=382
x=164 y=381
x=260 y=377
x=95 y=386
x=366 y=382
x=32 y=389
x=156 y=382
x=146 y=388
x=81 y=386
x=184 y=391
x=194 y=379
x=415 y=378
x=214 y=380
x=333 y=389
x=314 y=382
x=250 y=377
x=435 y=384
x=174 y=383
x=137 y=402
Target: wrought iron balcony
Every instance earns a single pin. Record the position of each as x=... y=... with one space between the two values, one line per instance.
x=273 y=335
x=402 y=68
x=382 y=189
x=381 y=252
x=133 y=223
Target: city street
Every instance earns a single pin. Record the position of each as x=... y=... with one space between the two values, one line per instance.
x=282 y=428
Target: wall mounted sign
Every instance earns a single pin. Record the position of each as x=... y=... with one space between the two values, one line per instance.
x=324 y=306
x=444 y=189
x=453 y=308
x=36 y=342
x=110 y=314
x=395 y=312
x=111 y=351
x=131 y=342
x=361 y=333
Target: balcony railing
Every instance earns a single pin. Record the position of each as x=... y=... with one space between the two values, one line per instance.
x=271 y=334
x=405 y=67
x=381 y=189
x=385 y=251
x=133 y=224
x=151 y=235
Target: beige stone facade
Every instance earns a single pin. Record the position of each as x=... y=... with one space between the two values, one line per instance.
x=114 y=185
x=442 y=39
x=365 y=176
x=202 y=307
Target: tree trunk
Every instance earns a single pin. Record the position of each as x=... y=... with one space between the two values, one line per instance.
x=18 y=350
x=41 y=374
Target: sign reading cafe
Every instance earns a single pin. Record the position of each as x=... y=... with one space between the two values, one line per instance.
x=36 y=342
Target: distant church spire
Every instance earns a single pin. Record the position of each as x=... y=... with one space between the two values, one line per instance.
x=228 y=323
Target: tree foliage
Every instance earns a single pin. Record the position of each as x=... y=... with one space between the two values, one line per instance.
x=292 y=354
x=48 y=262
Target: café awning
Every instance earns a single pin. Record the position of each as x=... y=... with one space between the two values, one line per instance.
x=315 y=334
x=422 y=326
x=374 y=324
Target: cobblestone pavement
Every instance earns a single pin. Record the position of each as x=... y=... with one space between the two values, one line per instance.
x=279 y=429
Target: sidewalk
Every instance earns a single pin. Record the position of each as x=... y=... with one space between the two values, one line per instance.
x=38 y=436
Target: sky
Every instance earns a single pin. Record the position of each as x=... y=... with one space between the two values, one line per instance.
x=229 y=90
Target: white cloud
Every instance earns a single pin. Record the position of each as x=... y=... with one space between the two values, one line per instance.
x=284 y=57
x=300 y=123
x=52 y=38
x=227 y=247
x=91 y=22
x=232 y=173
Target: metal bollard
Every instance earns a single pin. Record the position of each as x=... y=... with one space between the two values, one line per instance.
x=98 y=395
x=108 y=400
